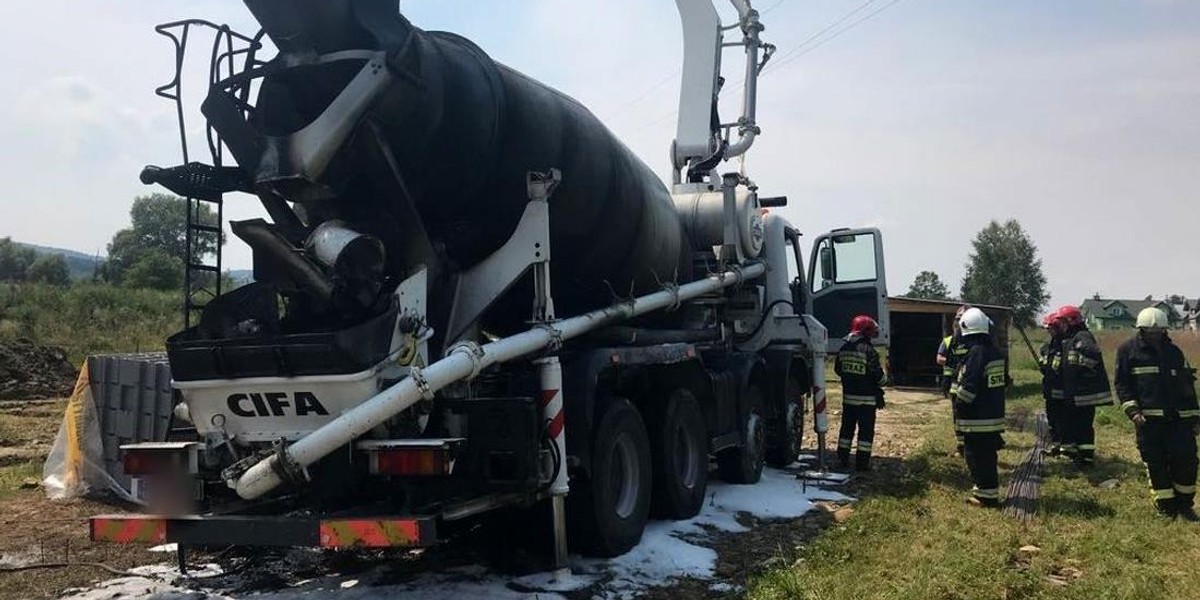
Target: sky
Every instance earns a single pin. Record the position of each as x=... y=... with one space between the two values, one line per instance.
x=1079 y=118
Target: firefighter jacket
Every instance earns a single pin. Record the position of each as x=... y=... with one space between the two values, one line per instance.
x=954 y=351
x=1156 y=383
x=857 y=363
x=979 y=396
x=1084 y=376
x=1050 y=359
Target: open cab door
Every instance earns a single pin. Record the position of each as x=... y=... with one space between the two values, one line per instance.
x=847 y=276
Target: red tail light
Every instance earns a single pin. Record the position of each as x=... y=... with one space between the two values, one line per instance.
x=139 y=464
x=418 y=457
x=412 y=461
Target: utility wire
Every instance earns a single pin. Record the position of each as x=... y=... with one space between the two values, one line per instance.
x=800 y=49
x=822 y=32
x=624 y=108
x=780 y=64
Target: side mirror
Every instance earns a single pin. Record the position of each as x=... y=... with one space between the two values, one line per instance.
x=826 y=258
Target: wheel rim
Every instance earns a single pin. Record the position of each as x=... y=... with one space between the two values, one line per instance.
x=625 y=476
x=687 y=457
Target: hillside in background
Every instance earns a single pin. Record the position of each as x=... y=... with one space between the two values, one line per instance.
x=81 y=265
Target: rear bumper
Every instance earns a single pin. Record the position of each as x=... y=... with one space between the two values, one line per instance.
x=192 y=530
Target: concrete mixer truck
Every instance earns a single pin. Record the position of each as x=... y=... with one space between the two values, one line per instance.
x=470 y=296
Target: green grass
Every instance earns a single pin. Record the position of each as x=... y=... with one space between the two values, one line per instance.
x=87 y=318
x=918 y=540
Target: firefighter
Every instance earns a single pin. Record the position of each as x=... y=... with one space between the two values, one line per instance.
x=1084 y=383
x=857 y=363
x=979 y=400
x=1050 y=363
x=1156 y=386
x=949 y=354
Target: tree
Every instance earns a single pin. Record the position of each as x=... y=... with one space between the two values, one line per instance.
x=50 y=268
x=155 y=269
x=15 y=260
x=158 y=225
x=1004 y=269
x=928 y=286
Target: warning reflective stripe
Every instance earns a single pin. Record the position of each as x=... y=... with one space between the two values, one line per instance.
x=1153 y=412
x=1145 y=370
x=864 y=446
x=965 y=395
x=1087 y=446
x=1128 y=404
x=129 y=530
x=858 y=400
x=980 y=425
x=1185 y=489
x=369 y=533
x=1059 y=394
x=844 y=443
x=1166 y=494
x=947 y=371
x=1189 y=413
x=1096 y=399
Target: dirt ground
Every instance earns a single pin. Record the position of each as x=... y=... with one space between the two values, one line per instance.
x=29 y=371
x=39 y=531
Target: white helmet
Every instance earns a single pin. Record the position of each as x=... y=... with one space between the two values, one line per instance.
x=974 y=321
x=1152 y=318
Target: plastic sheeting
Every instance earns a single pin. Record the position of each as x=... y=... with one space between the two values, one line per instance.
x=75 y=466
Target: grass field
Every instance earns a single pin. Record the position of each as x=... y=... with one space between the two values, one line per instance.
x=87 y=318
x=918 y=539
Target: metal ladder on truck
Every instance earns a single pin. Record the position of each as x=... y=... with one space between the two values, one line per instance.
x=202 y=186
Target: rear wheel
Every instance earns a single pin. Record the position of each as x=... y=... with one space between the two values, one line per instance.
x=789 y=428
x=744 y=464
x=611 y=506
x=679 y=447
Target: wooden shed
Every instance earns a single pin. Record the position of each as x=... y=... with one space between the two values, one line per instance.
x=917 y=328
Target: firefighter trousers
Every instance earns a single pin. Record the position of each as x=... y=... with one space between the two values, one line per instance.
x=1168 y=447
x=1080 y=432
x=1054 y=416
x=980 y=450
x=862 y=418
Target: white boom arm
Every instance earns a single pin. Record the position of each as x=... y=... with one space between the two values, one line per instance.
x=700 y=143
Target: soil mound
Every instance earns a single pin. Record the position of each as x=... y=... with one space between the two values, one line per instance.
x=29 y=371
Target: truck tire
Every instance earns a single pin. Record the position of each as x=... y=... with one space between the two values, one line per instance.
x=744 y=463
x=611 y=506
x=679 y=449
x=789 y=428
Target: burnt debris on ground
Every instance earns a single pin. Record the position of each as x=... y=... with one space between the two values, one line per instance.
x=30 y=371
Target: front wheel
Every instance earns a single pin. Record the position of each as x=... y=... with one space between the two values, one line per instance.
x=610 y=507
x=744 y=463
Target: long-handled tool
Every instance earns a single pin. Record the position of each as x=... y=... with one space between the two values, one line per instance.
x=1037 y=358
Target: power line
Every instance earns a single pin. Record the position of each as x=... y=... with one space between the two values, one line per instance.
x=837 y=34
x=624 y=108
x=800 y=50
x=824 y=30
x=646 y=94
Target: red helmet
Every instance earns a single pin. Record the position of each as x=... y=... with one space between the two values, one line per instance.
x=864 y=326
x=1070 y=315
x=1048 y=321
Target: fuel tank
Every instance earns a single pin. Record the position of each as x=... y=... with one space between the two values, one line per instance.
x=464 y=130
